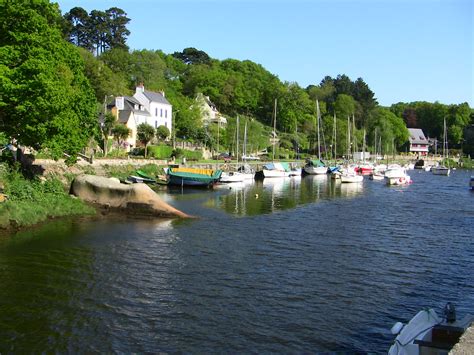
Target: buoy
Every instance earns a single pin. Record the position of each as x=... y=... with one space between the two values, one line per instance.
x=256 y=195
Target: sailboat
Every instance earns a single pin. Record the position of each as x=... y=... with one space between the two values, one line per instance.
x=316 y=167
x=348 y=174
x=244 y=172
x=442 y=169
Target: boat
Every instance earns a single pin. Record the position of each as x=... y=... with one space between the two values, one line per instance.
x=442 y=169
x=181 y=176
x=428 y=333
x=396 y=175
x=316 y=167
x=351 y=177
x=278 y=170
x=141 y=177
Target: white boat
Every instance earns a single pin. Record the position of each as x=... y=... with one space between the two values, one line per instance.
x=316 y=167
x=377 y=176
x=441 y=169
x=428 y=333
x=397 y=176
x=351 y=178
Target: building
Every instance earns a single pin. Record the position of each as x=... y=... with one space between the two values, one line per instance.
x=418 y=142
x=209 y=112
x=143 y=107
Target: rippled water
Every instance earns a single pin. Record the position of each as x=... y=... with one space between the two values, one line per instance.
x=296 y=265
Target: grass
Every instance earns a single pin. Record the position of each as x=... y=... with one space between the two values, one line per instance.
x=31 y=201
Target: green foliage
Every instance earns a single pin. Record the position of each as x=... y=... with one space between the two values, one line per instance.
x=33 y=201
x=99 y=30
x=179 y=153
x=162 y=132
x=145 y=133
x=120 y=133
x=160 y=151
x=46 y=100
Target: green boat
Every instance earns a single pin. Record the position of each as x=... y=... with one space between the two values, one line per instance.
x=193 y=177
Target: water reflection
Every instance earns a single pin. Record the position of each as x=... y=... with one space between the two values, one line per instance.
x=272 y=195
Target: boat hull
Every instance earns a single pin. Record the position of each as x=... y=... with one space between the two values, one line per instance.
x=440 y=170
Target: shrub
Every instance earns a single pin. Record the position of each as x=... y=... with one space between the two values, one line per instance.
x=160 y=151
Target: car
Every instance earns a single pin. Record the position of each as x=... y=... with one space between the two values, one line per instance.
x=224 y=156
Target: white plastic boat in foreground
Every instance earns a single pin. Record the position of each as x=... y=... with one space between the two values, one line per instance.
x=428 y=333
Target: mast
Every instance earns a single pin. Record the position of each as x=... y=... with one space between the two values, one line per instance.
x=274 y=128
x=348 y=138
x=318 y=114
x=244 y=149
x=237 y=140
x=335 y=137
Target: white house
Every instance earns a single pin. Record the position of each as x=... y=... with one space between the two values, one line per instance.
x=209 y=112
x=418 y=142
x=155 y=103
x=130 y=112
x=143 y=107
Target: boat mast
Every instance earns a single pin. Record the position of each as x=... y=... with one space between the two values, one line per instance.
x=237 y=140
x=318 y=114
x=244 y=149
x=274 y=128
x=335 y=138
x=348 y=138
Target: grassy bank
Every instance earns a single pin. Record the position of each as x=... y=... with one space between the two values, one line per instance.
x=31 y=201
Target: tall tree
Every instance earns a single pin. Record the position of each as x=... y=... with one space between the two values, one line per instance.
x=46 y=100
x=145 y=133
x=192 y=56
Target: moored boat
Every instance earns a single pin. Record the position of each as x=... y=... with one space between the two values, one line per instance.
x=397 y=176
x=193 y=177
x=315 y=167
x=428 y=333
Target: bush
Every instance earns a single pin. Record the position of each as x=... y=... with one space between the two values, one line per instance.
x=188 y=154
x=160 y=151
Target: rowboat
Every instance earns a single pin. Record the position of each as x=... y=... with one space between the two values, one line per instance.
x=195 y=177
x=428 y=333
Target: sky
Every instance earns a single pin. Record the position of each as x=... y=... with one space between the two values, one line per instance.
x=405 y=50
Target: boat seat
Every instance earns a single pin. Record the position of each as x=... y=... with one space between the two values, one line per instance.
x=443 y=337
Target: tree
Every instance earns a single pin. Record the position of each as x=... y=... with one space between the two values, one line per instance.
x=162 y=132
x=46 y=100
x=120 y=133
x=192 y=56
x=145 y=133
x=106 y=128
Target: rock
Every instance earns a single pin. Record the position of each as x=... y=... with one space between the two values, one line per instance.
x=135 y=199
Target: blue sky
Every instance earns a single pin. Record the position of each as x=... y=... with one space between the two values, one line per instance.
x=405 y=50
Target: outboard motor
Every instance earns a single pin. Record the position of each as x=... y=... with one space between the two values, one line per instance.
x=450 y=313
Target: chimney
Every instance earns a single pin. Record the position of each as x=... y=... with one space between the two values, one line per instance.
x=162 y=92
x=140 y=88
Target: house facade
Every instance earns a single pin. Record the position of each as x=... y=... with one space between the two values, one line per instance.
x=418 y=142
x=209 y=112
x=143 y=107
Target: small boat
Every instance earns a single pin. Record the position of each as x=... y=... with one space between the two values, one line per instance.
x=315 y=167
x=193 y=177
x=471 y=183
x=351 y=178
x=442 y=169
x=397 y=176
x=279 y=170
x=428 y=333
x=141 y=179
x=376 y=176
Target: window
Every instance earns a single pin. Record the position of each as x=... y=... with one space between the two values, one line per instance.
x=166 y=113
x=161 y=112
x=166 y=124
x=156 y=111
x=156 y=124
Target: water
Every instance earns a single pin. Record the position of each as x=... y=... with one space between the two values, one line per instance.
x=292 y=266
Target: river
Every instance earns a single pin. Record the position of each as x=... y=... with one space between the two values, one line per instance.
x=299 y=265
